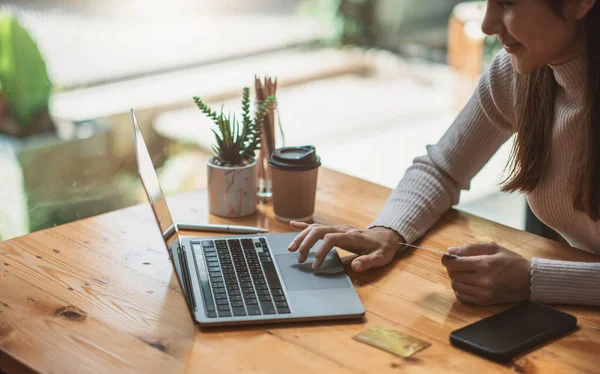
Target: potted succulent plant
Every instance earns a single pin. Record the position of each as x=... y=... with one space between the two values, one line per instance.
x=232 y=169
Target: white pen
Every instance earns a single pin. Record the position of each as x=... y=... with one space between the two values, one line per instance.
x=231 y=229
x=228 y=229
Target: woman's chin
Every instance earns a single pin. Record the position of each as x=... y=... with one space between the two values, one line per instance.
x=524 y=64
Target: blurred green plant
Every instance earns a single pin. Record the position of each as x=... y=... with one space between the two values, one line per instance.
x=491 y=47
x=345 y=17
x=24 y=81
x=325 y=11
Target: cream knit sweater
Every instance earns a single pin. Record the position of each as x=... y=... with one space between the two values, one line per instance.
x=432 y=184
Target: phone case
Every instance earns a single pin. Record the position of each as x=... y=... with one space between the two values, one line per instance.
x=567 y=323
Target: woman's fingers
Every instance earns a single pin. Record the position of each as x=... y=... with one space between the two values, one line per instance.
x=344 y=237
x=346 y=240
x=476 y=293
x=465 y=277
x=298 y=225
x=372 y=260
x=329 y=241
x=468 y=263
x=314 y=234
x=305 y=227
x=475 y=249
x=467 y=299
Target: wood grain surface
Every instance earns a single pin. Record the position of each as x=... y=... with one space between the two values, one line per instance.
x=98 y=296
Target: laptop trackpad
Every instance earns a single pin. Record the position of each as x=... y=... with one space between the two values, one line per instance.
x=298 y=277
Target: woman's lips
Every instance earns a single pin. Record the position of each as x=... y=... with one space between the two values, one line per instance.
x=512 y=47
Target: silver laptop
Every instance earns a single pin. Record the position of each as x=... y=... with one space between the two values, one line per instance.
x=250 y=278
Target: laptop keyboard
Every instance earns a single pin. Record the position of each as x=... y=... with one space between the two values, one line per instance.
x=238 y=278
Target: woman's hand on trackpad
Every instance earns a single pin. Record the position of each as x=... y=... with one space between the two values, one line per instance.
x=375 y=247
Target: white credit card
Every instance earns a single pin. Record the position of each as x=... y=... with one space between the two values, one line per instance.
x=430 y=250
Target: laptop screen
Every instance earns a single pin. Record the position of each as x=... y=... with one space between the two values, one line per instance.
x=153 y=191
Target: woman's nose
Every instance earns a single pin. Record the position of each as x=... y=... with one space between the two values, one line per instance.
x=492 y=21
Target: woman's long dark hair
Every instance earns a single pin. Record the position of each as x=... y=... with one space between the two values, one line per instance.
x=531 y=150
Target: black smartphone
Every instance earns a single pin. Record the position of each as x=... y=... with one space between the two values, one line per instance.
x=516 y=330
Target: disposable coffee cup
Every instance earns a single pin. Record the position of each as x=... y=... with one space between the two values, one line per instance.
x=294 y=175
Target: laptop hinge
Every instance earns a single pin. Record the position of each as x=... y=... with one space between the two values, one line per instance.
x=187 y=280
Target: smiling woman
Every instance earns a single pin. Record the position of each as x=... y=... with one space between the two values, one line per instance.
x=522 y=27
x=535 y=51
x=543 y=87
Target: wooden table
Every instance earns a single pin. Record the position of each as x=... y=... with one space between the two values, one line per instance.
x=98 y=295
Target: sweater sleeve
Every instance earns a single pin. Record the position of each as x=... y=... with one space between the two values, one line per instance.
x=564 y=282
x=431 y=186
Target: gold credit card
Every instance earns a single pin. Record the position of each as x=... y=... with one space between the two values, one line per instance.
x=392 y=341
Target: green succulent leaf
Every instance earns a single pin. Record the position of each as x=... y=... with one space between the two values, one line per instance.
x=206 y=109
x=246 y=107
x=255 y=129
x=236 y=140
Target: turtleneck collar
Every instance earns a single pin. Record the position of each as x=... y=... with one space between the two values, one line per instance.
x=572 y=76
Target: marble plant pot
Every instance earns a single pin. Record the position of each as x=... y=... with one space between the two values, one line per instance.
x=231 y=190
